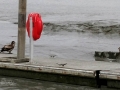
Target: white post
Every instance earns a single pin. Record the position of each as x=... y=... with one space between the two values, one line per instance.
x=31 y=40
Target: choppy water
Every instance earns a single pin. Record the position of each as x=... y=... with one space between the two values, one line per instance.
x=10 y=83
x=73 y=29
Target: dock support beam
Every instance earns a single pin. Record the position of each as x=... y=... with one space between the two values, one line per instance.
x=21 y=29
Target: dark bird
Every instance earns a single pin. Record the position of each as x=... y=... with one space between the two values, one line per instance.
x=61 y=64
x=52 y=55
x=119 y=49
x=9 y=47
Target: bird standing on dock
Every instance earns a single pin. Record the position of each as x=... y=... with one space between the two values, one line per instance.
x=52 y=56
x=61 y=64
x=8 y=48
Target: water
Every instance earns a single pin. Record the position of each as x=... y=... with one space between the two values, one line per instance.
x=64 y=10
x=73 y=29
x=12 y=83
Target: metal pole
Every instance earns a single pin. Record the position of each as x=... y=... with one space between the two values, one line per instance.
x=21 y=29
x=31 y=40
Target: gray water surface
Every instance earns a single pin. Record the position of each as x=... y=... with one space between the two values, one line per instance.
x=12 y=83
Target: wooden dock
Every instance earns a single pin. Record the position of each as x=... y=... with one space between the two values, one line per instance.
x=78 y=72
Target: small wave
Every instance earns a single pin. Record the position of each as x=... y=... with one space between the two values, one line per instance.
x=93 y=27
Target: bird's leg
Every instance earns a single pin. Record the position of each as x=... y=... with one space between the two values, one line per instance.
x=10 y=52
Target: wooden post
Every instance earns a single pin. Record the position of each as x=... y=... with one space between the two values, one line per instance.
x=21 y=29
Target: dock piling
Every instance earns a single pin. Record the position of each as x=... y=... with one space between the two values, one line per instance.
x=21 y=29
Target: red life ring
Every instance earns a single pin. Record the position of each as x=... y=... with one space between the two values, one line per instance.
x=37 y=25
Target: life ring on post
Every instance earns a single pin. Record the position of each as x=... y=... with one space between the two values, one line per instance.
x=37 y=25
